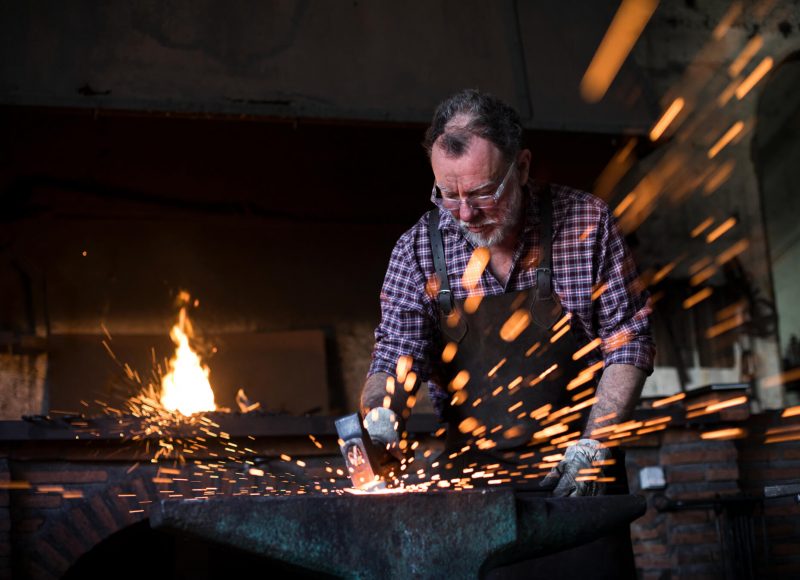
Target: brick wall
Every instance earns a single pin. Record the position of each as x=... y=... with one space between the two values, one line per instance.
x=714 y=487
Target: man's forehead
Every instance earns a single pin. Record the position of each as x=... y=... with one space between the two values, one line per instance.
x=478 y=165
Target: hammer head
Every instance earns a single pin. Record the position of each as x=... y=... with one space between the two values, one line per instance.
x=361 y=455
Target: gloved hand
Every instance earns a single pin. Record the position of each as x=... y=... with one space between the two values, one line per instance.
x=586 y=453
x=382 y=425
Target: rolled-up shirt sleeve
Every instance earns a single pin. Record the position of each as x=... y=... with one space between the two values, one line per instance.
x=408 y=325
x=622 y=310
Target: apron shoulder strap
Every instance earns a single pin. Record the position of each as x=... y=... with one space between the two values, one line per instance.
x=546 y=308
x=445 y=296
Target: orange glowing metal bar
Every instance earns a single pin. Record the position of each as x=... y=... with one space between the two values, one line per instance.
x=514 y=407
x=624 y=204
x=587 y=232
x=586 y=403
x=748 y=52
x=469 y=424
x=459 y=380
x=404 y=364
x=702 y=226
x=628 y=426
x=587 y=349
x=571 y=418
x=699 y=265
x=721 y=29
x=411 y=380
x=668 y=400
x=560 y=333
x=550 y=431
x=475 y=267
x=620 y=435
x=657 y=421
x=598 y=292
x=565 y=438
x=647 y=430
x=541 y=412
x=459 y=398
x=449 y=352
x=725 y=326
x=589 y=470
x=702 y=276
x=733 y=310
x=50 y=488
x=752 y=79
x=515 y=325
x=512 y=432
x=719 y=177
x=390 y=385
x=697 y=298
x=542 y=376
x=783 y=438
x=733 y=251
x=582 y=394
x=720 y=230
x=726 y=95
x=564 y=319
x=602 y=430
x=625 y=29
x=732 y=433
x=664 y=272
x=612 y=174
x=782 y=378
x=787 y=429
x=472 y=303
x=532 y=349
x=605 y=418
x=556 y=414
x=497 y=391
x=729 y=136
x=496 y=367
x=514 y=383
x=667 y=118
x=791 y=411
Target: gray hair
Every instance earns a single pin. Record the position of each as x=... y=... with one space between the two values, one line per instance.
x=486 y=116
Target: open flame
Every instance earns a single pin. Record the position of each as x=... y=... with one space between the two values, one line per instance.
x=185 y=388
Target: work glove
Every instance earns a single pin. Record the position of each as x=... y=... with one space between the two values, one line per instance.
x=382 y=425
x=585 y=454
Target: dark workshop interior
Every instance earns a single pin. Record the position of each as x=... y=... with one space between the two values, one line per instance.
x=241 y=172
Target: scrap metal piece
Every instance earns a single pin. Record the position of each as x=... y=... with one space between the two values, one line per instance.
x=411 y=535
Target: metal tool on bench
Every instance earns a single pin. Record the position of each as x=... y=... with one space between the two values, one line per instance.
x=363 y=458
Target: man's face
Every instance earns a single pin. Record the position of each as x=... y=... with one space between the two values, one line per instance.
x=479 y=171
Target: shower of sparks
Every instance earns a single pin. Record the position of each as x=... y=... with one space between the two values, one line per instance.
x=625 y=29
x=734 y=131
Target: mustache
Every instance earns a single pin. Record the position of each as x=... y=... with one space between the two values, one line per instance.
x=488 y=222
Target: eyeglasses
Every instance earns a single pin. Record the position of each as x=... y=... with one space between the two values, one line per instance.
x=452 y=203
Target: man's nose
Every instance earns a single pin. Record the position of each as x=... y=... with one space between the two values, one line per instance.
x=465 y=212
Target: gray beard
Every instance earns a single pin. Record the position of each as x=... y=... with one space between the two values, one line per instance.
x=505 y=224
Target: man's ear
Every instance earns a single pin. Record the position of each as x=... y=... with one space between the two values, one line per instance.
x=524 y=165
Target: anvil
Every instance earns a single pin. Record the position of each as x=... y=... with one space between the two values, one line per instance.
x=448 y=534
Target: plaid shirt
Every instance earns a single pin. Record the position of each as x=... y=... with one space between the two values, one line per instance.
x=593 y=275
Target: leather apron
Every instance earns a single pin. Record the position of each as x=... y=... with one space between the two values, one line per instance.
x=514 y=354
x=512 y=373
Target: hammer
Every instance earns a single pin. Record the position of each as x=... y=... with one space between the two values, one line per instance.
x=362 y=457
